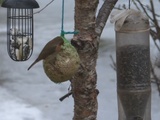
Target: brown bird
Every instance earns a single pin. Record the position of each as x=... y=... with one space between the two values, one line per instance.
x=52 y=47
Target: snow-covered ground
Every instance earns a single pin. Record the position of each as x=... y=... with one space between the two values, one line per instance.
x=30 y=95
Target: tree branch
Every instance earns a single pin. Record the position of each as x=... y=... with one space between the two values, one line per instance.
x=144 y=10
x=113 y=65
x=44 y=7
x=153 y=14
x=155 y=78
x=65 y=96
x=103 y=15
x=155 y=19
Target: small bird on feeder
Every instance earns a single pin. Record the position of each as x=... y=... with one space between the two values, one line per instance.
x=52 y=47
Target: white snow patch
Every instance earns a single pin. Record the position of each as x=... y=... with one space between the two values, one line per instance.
x=13 y=108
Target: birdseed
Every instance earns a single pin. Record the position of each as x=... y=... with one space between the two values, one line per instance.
x=133 y=67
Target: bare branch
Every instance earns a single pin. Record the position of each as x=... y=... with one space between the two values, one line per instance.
x=143 y=7
x=157 y=45
x=129 y=4
x=157 y=80
x=44 y=7
x=136 y=5
x=154 y=17
x=153 y=34
x=113 y=65
x=103 y=15
x=65 y=96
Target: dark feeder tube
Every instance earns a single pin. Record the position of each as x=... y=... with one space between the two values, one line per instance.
x=133 y=68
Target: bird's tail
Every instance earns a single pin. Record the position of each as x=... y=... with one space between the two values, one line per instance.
x=32 y=64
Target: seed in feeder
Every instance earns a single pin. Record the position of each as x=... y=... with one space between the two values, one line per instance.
x=133 y=67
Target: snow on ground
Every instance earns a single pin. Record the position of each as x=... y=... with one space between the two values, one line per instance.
x=13 y=108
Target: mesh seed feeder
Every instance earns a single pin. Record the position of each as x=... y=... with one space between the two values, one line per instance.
x=20 y=28
x=133 y=65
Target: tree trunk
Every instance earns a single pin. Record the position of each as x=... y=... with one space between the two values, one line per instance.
x=84 y=82
x=87 y=41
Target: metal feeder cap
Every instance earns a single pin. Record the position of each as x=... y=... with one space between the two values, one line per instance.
x=20 y=4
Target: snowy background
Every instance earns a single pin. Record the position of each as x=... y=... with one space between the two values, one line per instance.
x=30 y=95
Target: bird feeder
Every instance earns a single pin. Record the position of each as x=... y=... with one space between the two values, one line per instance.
x=62 y=67
x=133 y=66
x=20 y=28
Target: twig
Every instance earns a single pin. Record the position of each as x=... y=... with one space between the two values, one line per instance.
x=135 y=4
x=153 y=14
x=150 y=10
x=155 y=43
x=156 y=78
x=44 y=7
x=153 y=33
x=142 y=6
x=129 y=5
x=65 y=96
x=113 y=65
x=155 y=19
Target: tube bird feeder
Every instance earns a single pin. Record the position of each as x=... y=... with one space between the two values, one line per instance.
x=20 y=28
x=133 y=67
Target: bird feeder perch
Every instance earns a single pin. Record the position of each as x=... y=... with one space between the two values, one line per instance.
x=133 y=65
x=20 y=28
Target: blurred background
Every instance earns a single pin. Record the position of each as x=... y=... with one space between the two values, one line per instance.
x=30 y=95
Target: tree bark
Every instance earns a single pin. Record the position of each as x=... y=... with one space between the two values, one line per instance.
x=86 y=42
x=84 y=82
x=103 y=15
